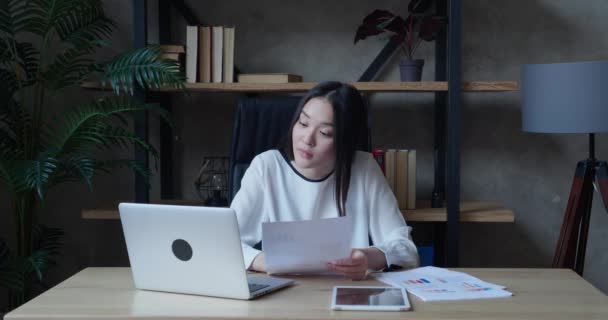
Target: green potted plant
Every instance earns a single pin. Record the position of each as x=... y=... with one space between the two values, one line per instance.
x=409 y=32
x=41 y=148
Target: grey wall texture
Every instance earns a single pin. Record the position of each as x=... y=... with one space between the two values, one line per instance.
x=530 y=173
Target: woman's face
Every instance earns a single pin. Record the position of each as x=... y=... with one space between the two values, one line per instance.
x=313 y=139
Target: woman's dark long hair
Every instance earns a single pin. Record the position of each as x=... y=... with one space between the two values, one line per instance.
x=349 y=117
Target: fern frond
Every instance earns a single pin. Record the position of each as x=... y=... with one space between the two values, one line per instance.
x=144 y=67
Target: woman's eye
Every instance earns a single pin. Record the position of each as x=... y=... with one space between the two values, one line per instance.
x=327 y=134
x=303 y=124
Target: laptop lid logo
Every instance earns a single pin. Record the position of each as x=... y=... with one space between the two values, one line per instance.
x=182 y=249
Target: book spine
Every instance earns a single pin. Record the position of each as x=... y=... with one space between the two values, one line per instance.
x=390 y=168
x=401 y=178
x=411 y=179
x=380 y=155
x=191 y=53
x=218 y=53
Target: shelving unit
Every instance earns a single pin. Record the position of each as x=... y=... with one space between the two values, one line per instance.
x=426 y=86
x=472 y=211
x=448 y=89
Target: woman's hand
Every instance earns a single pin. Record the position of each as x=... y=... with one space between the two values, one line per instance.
x=259 y=263
x=354 y=267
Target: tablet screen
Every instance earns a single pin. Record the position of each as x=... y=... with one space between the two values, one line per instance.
x=354 y=296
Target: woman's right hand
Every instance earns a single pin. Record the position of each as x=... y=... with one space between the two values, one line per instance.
x=259 y=263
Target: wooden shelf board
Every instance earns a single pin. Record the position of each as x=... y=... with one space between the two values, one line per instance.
x=378 y=86
x=473 y=211
x=470 y=211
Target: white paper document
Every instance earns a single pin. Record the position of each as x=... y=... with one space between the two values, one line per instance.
x=305 y=246
x=436 y=284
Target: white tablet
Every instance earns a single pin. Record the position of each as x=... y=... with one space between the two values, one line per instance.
x=370 y=298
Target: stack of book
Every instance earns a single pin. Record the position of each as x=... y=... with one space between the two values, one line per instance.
x=174 y=52
x=209 y=54
x=269 y=78
x=399 y=168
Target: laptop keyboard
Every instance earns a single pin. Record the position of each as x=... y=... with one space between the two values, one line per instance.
x=255 y=287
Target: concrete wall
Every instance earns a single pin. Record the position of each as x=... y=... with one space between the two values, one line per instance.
x=530 y=173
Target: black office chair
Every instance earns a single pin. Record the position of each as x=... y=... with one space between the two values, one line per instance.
x=260 y=125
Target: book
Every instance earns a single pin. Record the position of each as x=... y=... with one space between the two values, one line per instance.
x=389 y=165
x=228 y=74
x=204 y=57
x=401 y=178
x=170 y=56
x=172 y=48
x=217 y=53
x=411 y=179
x=191 y=53
x=269 y=78
x=379 y=156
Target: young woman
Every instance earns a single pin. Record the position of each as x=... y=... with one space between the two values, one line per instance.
x=320 y=174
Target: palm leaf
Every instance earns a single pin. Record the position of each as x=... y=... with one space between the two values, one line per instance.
x=45 y=246
x=28 y=59
x=10 y=276
x=107 y=166
x=7 y=139
x=13 y=17
x=47 y=239
x=144 y=67
x=19 y=62
x=18 y=122
x=8 y=88
x=119 y=136
x=46 y=14
x=75 y=168
x=77 y=131
x=37 y=172
x=69 y=68
x=86 y=26
x=87 y=126
x=8 y=170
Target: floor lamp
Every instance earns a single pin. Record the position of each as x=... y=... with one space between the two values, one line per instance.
x=571 y=98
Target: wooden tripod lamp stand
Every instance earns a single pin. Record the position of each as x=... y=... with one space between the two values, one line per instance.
x=571 y=98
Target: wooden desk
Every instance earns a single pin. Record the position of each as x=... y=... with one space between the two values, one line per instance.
x=108 y=293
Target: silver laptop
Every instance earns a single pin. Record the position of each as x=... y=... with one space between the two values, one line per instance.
x=187 y=249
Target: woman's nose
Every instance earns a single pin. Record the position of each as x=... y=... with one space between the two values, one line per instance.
x=308 y=137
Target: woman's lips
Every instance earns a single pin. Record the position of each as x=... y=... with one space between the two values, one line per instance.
x=305 y=154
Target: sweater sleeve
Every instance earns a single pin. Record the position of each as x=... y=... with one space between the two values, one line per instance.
x=248 y=204
x=388 y=230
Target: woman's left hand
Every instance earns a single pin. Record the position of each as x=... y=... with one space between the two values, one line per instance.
x=353 y=267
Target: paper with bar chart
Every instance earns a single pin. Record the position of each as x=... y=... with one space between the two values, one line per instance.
x=437 y=284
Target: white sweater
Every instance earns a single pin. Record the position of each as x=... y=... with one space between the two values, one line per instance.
x=272 y=190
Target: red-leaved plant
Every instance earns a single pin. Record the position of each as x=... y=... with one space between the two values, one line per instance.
x=410 y=32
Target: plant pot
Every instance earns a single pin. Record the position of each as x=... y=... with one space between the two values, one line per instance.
x=411 y=70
